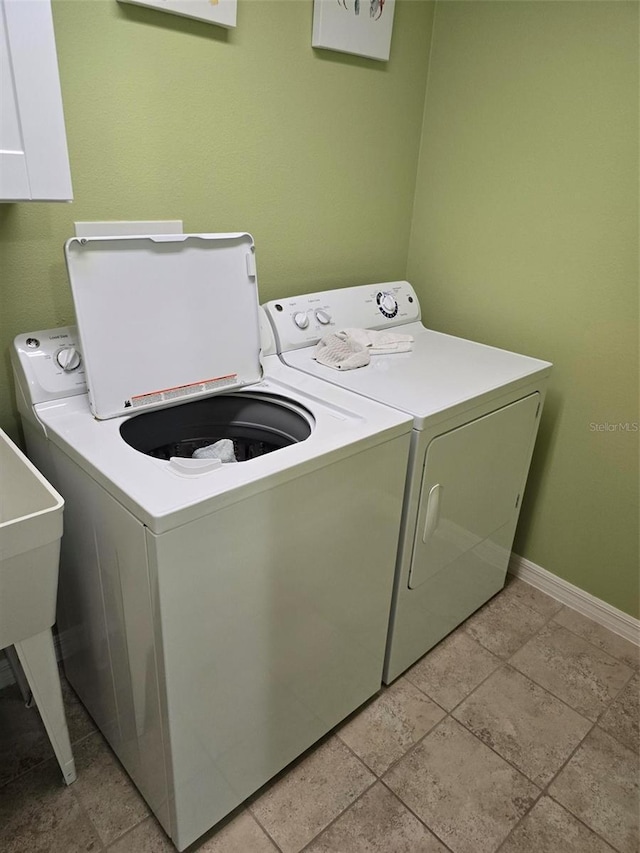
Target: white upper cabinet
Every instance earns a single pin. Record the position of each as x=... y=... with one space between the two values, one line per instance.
x=34 y=162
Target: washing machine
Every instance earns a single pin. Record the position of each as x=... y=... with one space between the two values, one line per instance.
x=219 y=612
x=475 y=412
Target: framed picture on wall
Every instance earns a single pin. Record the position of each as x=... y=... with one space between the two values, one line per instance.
x=220 y=12
x=362 y=27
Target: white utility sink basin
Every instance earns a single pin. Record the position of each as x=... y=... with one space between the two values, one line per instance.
x=30 y=531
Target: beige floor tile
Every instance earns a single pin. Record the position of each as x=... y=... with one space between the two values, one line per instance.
x=548 y=828
x=314 y=792
x=40 y=814
x=577 y=672
x=240 y=835
x=504 y=624
x=455 y=781
x=523 y=723
x=528 y=595
x=465 y=793
x=622 y=718
x=377 y=823
x=600 y=636
x=388 y=726
x=450 y=671
x=600 y=786
x=146 y=837
x=104 y=789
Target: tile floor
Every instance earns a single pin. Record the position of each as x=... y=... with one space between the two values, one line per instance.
x=518 y=733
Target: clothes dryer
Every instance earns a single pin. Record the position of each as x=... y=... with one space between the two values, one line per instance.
x=475 y=412
x=216 y=618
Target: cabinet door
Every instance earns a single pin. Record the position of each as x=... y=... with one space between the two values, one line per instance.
x=34 y=163
x=471 y=489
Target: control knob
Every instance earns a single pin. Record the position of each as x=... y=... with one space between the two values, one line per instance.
x=301 y=320
x=69 y=359
x=323 y=317
x=387 y=304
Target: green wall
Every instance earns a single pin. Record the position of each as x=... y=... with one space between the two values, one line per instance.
x=525 y=235
x=524 y=230
x=311 y=151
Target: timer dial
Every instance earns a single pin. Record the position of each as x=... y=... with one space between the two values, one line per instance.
x=387 y=303
x=69 y=359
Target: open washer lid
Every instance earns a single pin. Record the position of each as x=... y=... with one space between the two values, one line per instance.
x=164 y=318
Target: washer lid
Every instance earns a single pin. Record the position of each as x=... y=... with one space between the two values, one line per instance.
x=164 y=318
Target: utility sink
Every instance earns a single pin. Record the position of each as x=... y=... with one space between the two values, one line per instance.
x=30 y=532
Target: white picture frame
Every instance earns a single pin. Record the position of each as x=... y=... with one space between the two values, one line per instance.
x=223 y=13
x=361 y=27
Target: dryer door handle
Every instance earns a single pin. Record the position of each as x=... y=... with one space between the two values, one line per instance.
x=432 y=514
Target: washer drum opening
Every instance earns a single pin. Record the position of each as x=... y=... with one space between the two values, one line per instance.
x=256 y=425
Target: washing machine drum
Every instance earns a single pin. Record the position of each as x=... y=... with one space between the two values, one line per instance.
x=255 y=424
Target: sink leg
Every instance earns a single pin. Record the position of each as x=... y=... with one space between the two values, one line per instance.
x=18 y=674
x=38 y=659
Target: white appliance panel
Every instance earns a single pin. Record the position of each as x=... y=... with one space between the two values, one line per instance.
x=439 y=374
x=286 y=633
x=164 y=318
x=211 y=658
x=162 y=497
x=300 y=321
x=38 y=358
x=159 y=493
x=105 y=625
x=472 y=482
x=475 y=413
x=217 y=625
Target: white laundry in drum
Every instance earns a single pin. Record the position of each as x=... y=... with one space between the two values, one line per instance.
x=222 y=450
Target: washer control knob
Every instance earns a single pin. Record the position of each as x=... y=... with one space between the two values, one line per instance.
x=323 y=317
x=301 y=320
x=387 y=303
x=69 y=359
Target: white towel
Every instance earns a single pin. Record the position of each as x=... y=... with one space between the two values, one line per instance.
x=341 y=354
x=378 y=343
x=351 y=348
x=222 y=450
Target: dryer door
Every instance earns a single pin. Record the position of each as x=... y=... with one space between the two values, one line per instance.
x=472 y=484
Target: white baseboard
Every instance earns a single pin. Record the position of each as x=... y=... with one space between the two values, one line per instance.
x=577 y=599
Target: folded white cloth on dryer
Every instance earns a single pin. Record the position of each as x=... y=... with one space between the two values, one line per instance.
x=351 y=348
x=334 y=351
x=222 y=450
x=378 y=343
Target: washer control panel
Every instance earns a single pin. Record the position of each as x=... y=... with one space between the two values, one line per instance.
x=301 y=321
x=48 y=364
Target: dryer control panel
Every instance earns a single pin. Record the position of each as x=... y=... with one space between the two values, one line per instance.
x=301 y=321
x=48 y=364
